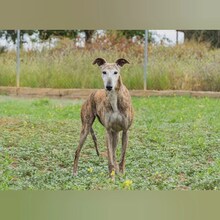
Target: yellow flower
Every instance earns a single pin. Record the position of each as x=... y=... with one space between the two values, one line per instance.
x=90 y=170
x=112 y=173
x=127 y=183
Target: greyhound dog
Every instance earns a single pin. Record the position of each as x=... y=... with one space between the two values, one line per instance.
x=112 y=106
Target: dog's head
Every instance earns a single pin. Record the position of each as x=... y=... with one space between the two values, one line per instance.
x=110 y=72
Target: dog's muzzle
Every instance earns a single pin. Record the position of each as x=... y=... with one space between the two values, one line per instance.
x=109 y=88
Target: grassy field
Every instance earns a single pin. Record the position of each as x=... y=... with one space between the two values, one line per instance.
x=189 y=66
x=174 y=145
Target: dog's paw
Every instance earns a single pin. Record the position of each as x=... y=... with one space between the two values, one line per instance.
x=75 y=173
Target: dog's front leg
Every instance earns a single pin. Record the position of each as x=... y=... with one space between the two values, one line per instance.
x=123 y=151
x=111 y=166
x=114 y=147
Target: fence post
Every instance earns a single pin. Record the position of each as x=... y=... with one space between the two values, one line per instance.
x=177 y=37
x=145 y=59
x=18 y=59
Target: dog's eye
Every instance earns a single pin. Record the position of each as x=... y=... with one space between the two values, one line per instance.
x=104 y=72
x=115 y=73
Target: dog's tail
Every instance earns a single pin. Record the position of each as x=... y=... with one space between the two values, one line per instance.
x=94 y=140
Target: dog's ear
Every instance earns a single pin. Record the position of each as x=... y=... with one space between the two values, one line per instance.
x=99 y=61
x=121 y=62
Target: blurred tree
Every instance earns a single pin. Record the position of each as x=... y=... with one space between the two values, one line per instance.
x=136 y=33
x=47 y=34
x=88 y=35
x=211 y=36
x=72 y=34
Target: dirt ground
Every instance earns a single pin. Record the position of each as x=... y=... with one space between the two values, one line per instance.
x=83 y=93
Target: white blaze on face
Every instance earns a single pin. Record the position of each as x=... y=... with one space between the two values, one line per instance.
x=110 y=76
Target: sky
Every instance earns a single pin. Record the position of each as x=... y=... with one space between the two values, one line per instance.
x=158 y=34
x=170 y=34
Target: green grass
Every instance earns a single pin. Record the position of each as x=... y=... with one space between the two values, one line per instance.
x=189 y=66
x=174 y=145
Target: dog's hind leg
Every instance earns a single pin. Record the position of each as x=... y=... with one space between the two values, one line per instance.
x=84 y=133
x=94 y=140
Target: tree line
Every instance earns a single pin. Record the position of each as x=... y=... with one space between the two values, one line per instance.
x=211 y=36
x=11 y=35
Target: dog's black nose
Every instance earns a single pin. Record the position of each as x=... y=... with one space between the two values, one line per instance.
x=109 y=88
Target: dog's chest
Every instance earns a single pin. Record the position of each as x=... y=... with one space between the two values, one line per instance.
x=113 y=101
x=112 y=113
x=115 y=121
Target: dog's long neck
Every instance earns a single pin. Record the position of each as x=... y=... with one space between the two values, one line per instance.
x=113 y=95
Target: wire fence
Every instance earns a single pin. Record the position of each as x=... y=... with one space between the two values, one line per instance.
x=60 y=67
x=188 y=66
